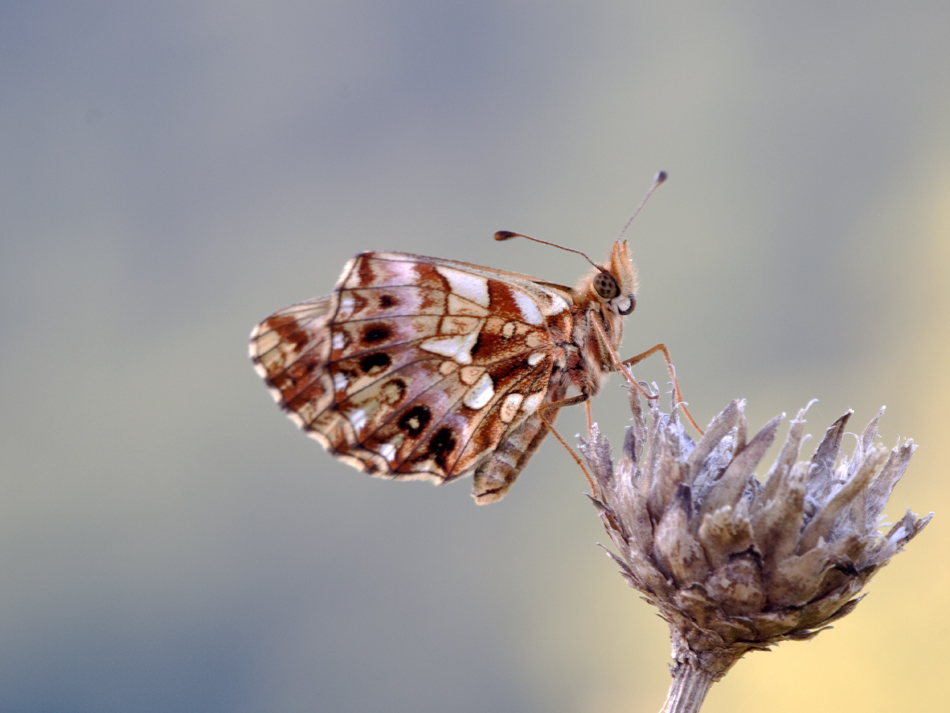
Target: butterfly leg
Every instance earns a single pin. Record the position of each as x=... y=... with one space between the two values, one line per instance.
x=557 y=406
x=669 y=366
x=618 y=365
x=621 y=366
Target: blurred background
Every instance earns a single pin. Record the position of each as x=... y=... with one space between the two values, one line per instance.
x=173 y=173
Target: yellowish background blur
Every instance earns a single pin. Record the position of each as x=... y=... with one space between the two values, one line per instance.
x=172 y=174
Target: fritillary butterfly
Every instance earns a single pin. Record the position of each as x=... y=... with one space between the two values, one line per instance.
x=421 y=367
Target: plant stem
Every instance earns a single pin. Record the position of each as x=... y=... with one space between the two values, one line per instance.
x=688 y=689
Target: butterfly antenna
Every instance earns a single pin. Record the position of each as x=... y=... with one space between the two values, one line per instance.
x=508 y=235
x=658 y=179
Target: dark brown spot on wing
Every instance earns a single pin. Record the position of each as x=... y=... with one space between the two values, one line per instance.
x=376 y=333
x=375 y=363
x=415 y=420
x=392 y=392
x=441 y=446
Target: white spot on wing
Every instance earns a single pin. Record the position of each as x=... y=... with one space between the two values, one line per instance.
x=472 y=287
x=532 y=402
x=443 y=346
x=357 y=418
x=535 y=357
x=509 y=407
x=338 y=342
x=340 y=384
x=480 y=394
x=528 y=307
x=346 y=307
x=464 y=355
x=387 y=451
x=554 y=304
x=458 y=348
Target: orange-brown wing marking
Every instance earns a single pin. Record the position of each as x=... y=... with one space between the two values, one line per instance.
x=434 y=432
x=517 y=395
x=441 y=417
x=414 y=367
x=290 y=349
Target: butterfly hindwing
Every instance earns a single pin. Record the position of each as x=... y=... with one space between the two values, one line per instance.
x=411 y=369
x=418 y=367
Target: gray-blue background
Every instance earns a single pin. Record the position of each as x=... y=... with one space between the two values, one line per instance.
x=171 y=173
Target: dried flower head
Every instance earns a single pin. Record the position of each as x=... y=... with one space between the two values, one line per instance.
x=734 y=563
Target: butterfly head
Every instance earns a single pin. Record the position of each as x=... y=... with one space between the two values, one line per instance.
x=612 y=285
x=615 y=283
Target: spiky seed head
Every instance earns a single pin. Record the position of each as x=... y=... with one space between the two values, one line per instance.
x=736 y=563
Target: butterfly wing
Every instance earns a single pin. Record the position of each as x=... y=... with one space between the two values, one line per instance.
x=417 y=367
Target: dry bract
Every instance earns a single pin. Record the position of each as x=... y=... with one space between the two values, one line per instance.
x=734 y=563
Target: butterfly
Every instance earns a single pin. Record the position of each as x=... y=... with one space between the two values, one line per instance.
x=420 y=367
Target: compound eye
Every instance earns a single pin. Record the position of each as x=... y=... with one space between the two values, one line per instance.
x=606 y=286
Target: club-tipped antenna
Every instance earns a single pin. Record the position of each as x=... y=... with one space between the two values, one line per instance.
x=657 y=180
x=508 y=235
